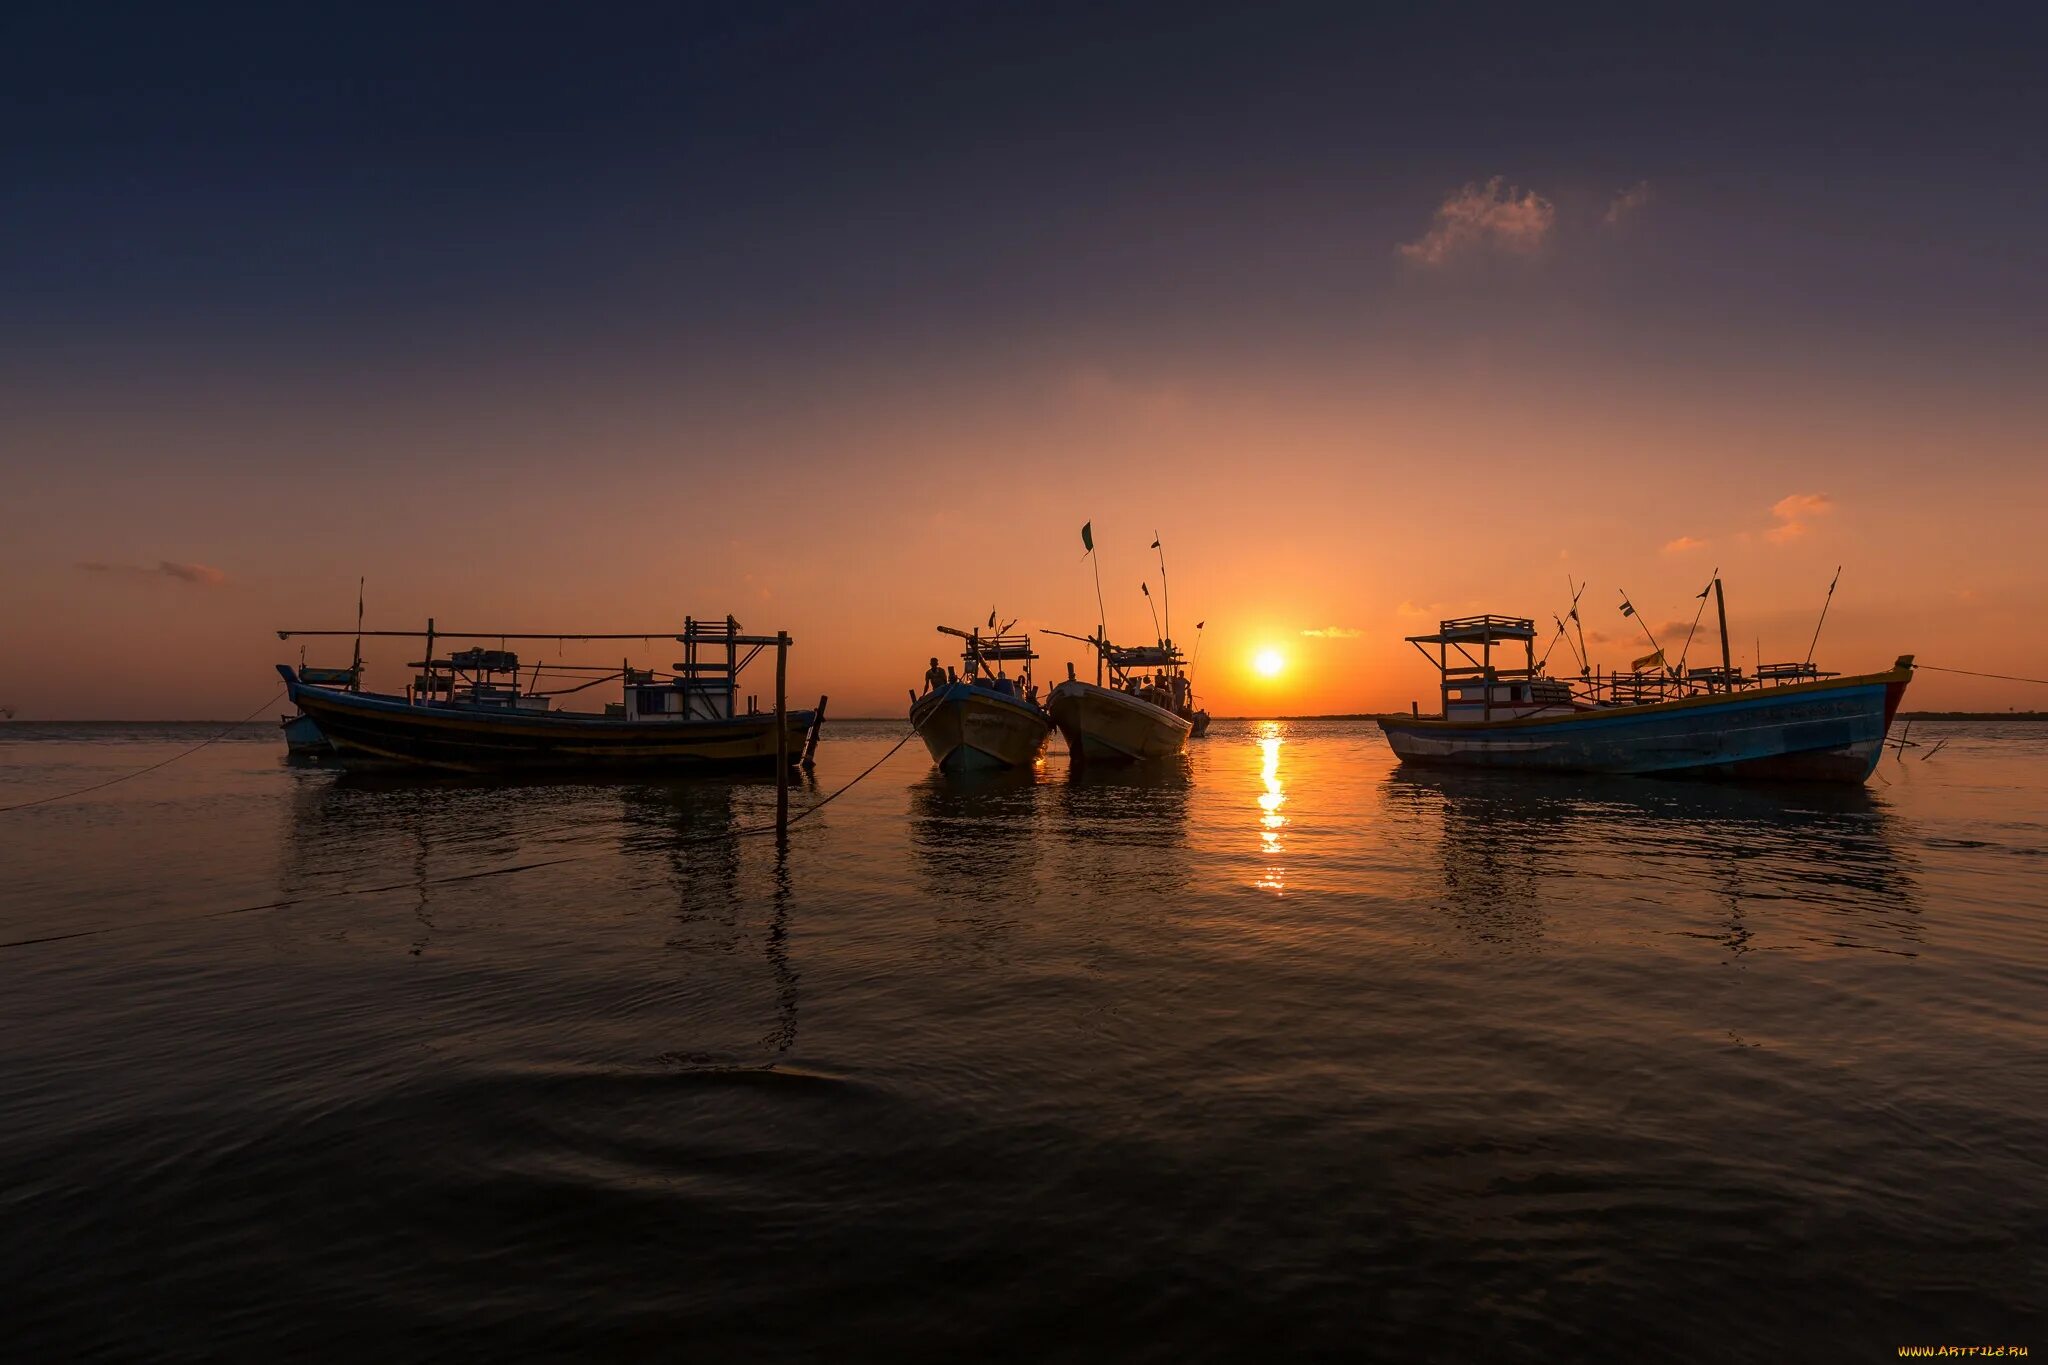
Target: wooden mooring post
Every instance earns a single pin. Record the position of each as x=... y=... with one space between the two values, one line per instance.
x=782 y=729
x=810 y=758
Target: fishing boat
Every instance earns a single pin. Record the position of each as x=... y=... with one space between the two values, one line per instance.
x=1790 y=722
x=481 y=710
x=1124 y=716
x=987 y=719
x=1129 y=718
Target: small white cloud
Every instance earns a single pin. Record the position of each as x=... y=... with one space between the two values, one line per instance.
x=1484 y=217
x=1794 y=512
x=1628 y=203
x=1682 y=544
x=1334 y=633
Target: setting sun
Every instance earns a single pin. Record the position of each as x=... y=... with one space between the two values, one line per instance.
x=1267 y=663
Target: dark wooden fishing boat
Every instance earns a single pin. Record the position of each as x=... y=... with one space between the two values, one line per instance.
x=1791 y=722
x=470 y=712
x=987 y=720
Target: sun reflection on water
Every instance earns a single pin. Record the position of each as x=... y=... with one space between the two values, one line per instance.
x=1272 y=823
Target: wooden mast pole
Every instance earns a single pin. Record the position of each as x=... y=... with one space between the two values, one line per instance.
x=782 y=729
x=1721 y=609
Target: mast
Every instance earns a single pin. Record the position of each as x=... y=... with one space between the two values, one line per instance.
x=1721 y=609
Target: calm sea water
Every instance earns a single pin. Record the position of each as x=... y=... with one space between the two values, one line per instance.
x=1280 y=1052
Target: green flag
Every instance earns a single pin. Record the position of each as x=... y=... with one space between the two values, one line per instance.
x=1088 y=535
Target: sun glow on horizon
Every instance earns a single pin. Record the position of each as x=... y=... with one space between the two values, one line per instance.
x=1268 y=663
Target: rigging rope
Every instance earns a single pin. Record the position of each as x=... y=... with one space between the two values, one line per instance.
x=66 y=796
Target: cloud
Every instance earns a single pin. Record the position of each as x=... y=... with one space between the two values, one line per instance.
x=1682 y=544
x=1481 y=217
x=202 y=575
x=1793 y=512
x=1334 y=633
x=1628 y=203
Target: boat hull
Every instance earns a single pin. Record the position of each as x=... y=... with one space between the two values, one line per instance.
x=1102 y=724
x=974 y=729
x=1831 y=731
x=302 y=737
x=372 y=733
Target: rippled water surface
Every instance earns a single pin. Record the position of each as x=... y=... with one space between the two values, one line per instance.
x=1280 y=1051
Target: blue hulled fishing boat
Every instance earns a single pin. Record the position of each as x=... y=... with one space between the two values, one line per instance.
x=1790 y=722
x=988 y=719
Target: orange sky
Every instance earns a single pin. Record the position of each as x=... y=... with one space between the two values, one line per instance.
x=1287 y=508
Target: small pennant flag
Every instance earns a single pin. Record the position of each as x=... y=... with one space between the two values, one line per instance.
x=1654 y=659
x=1200 y=624
x=1088 y=535
x=1836 y=579
x=1627 y=609
x=1155 y=544
x=991 y=618
x=1575 y=613
x=1702 y=595
x=1145 y=588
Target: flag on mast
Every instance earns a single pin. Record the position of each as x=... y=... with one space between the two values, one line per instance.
x=1088 y=535
x=1627 y=608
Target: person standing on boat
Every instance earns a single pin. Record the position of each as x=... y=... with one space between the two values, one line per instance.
x=934 y=677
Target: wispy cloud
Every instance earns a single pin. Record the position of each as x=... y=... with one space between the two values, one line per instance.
x=1482 y=218
x=1794 y=512
x=202 y=575
x=1628 y=203
x=1334 y=633
x=1682 y=544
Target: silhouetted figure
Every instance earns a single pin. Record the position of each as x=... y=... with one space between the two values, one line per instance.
x=934 y=677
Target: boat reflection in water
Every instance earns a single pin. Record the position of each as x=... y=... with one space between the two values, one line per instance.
x=1519 y=853
x=976 y=838
x=464 y=869
x=1121 y=828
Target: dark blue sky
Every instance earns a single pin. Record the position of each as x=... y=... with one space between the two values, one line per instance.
x=817 y=174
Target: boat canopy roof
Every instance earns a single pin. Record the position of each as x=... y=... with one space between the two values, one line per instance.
x=990 y=648
x=1478 y=630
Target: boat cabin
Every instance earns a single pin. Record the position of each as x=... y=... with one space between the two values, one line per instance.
x=1476 y=684
x=985 y=658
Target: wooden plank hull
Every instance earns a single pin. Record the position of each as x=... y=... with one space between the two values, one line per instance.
x=372 y=732
x=1829 y=731
x=1102 y=724
x=969 y=728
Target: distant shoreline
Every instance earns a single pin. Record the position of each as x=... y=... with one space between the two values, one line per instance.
x=2034 y=716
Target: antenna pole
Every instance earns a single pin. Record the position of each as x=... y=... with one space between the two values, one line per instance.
x=1165 y=592
x=356 y=666
x=1721 y=607
x=1823 y=613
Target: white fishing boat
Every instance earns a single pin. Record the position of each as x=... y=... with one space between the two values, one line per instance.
x=1110 y=724
x=1126 y=715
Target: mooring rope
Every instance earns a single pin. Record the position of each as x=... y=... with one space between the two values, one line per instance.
x=1972 y=673
x=287 y=902
x=66 y=796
